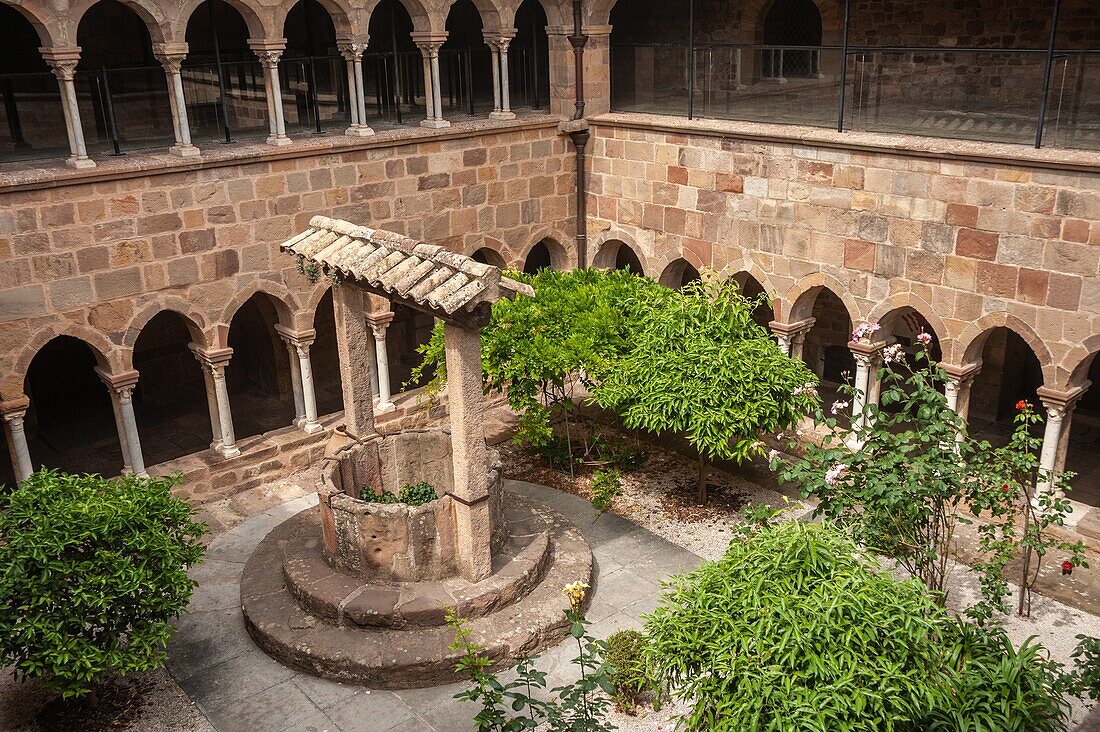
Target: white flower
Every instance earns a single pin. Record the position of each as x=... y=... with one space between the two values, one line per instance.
x=925 y=339
x=773 y=455
x=893 y=353
x=838 y=406
x=809 y=390
x=758 y=445
x=833 y=474
x=865 y=330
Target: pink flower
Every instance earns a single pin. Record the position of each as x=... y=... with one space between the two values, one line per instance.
x=833 y=474
x=925 y=339
x=893 y=353
x=865 y=330
x=838 y=406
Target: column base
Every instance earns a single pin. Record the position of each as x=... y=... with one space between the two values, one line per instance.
x=435 y=124
x=359 y=131
x=80 y=161
x=229 y=452
x=383 y=407
x=278 y=141
x=185 y=151
x=502 y=115
x=311 y=428
x=216 y=446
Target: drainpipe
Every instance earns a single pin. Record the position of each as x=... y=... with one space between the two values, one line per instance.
x=580 y=136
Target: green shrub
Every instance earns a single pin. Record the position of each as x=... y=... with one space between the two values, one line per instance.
x=606 y=486
x=796 y=629
x=994 y=687
x=411 y=494
x=92 y=571
x=629 y=669
x=1085 y=678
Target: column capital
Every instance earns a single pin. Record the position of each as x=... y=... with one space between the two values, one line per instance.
x=15 y=407
x=429 y=42
x=62 y=60
x=381 y=318
x=170 y=55
x=962 y=374
x=351 y=50
x=791 y=330
x=499 y=38
x=119 y=382
x=1057 y=402
x=211 y=358
x=268 y=50
x=296 y=338
x=864 y=349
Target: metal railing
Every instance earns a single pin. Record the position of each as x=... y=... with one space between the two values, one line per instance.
x=1018 y=95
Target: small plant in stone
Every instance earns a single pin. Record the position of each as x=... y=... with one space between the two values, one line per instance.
x=631 y=671
x=410 y=494
x=580 y=706
x=309 y=270
x=92 y=573
x=607 y=485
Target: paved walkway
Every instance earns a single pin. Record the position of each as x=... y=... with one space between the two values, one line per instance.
x=240 y=689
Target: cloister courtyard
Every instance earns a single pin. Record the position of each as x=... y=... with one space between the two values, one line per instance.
x=549 y=364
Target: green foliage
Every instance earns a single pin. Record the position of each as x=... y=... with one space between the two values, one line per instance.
x=411 y=494
x=92 y=571
x=516 y=705
x=537 y=349
x=629 y=670
x=606 y=486
x=1085 y=678
x=796 y=629
x=918 y=476
x=994 y=687
x=699 y=365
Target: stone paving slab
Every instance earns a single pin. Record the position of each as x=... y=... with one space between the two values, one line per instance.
x=240 y=689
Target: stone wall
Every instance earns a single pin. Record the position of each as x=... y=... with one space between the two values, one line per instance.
x=969 y=240
x=97 y=254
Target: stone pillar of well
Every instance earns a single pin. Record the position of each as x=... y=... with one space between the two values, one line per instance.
x=13 y=411
x=1059 y=406
x=465 y=402
x=121 y=387
x=791 y=336
x=355 y=350
x=429 y=44
x=63 y=62
x=213 y=362
x=498 y=41
x=352 y=51
x=301 y=376
x=380 y=323
x=170 y=56
x=269 y=51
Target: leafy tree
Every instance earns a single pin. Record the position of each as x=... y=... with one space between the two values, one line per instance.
x=699 y=365
x=92 y=571
x=918 y=476
x=536 y=350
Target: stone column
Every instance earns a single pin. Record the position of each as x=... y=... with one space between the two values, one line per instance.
x=791 y=336
x=212 y=409
x=465 y=401
x=866 y=392
x=379 y=323
x=957 y=388
x=63 y=62
x=354 y=344
x=498 y=44
x=1059 y=407
x=13 y=413
x=301 y=370
x=269 y=51
x=353 y=56
x=121 y=387
x=213 y=363
x=429 y=45
x=170 y=56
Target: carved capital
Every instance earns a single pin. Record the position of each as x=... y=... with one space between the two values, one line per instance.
x=350 y=50
x=212 y=360
x=170 y=55
x=121 y=384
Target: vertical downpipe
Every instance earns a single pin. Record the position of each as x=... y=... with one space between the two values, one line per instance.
x=580 y=137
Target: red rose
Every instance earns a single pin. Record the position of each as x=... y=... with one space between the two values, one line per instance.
x=1004 y=488
x=1067 y=567
x=1021 y=405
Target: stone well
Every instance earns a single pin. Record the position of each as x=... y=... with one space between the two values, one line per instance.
x=396 y=542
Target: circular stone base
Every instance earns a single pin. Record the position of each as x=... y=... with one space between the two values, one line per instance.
x=308 y=616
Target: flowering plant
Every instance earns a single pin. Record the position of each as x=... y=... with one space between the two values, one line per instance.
x=864 y=331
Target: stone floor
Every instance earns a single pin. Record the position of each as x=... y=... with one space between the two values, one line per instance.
x=240 y=689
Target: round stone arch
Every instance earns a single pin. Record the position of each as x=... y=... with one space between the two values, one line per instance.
x=972 y=341
x=741 y=269
x=192 y=319
x=339 y=12
x=257 y=28
x=488 y=254
x=286 y=306
x=161 y=28
x=560 y=257
x=555 y=15
x=606 y=247
x=494 y=17
x=108 y=356
x=44 y=21
x=799 y=301
x=894 y=307
x=755 y=11
x=1074 y=368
